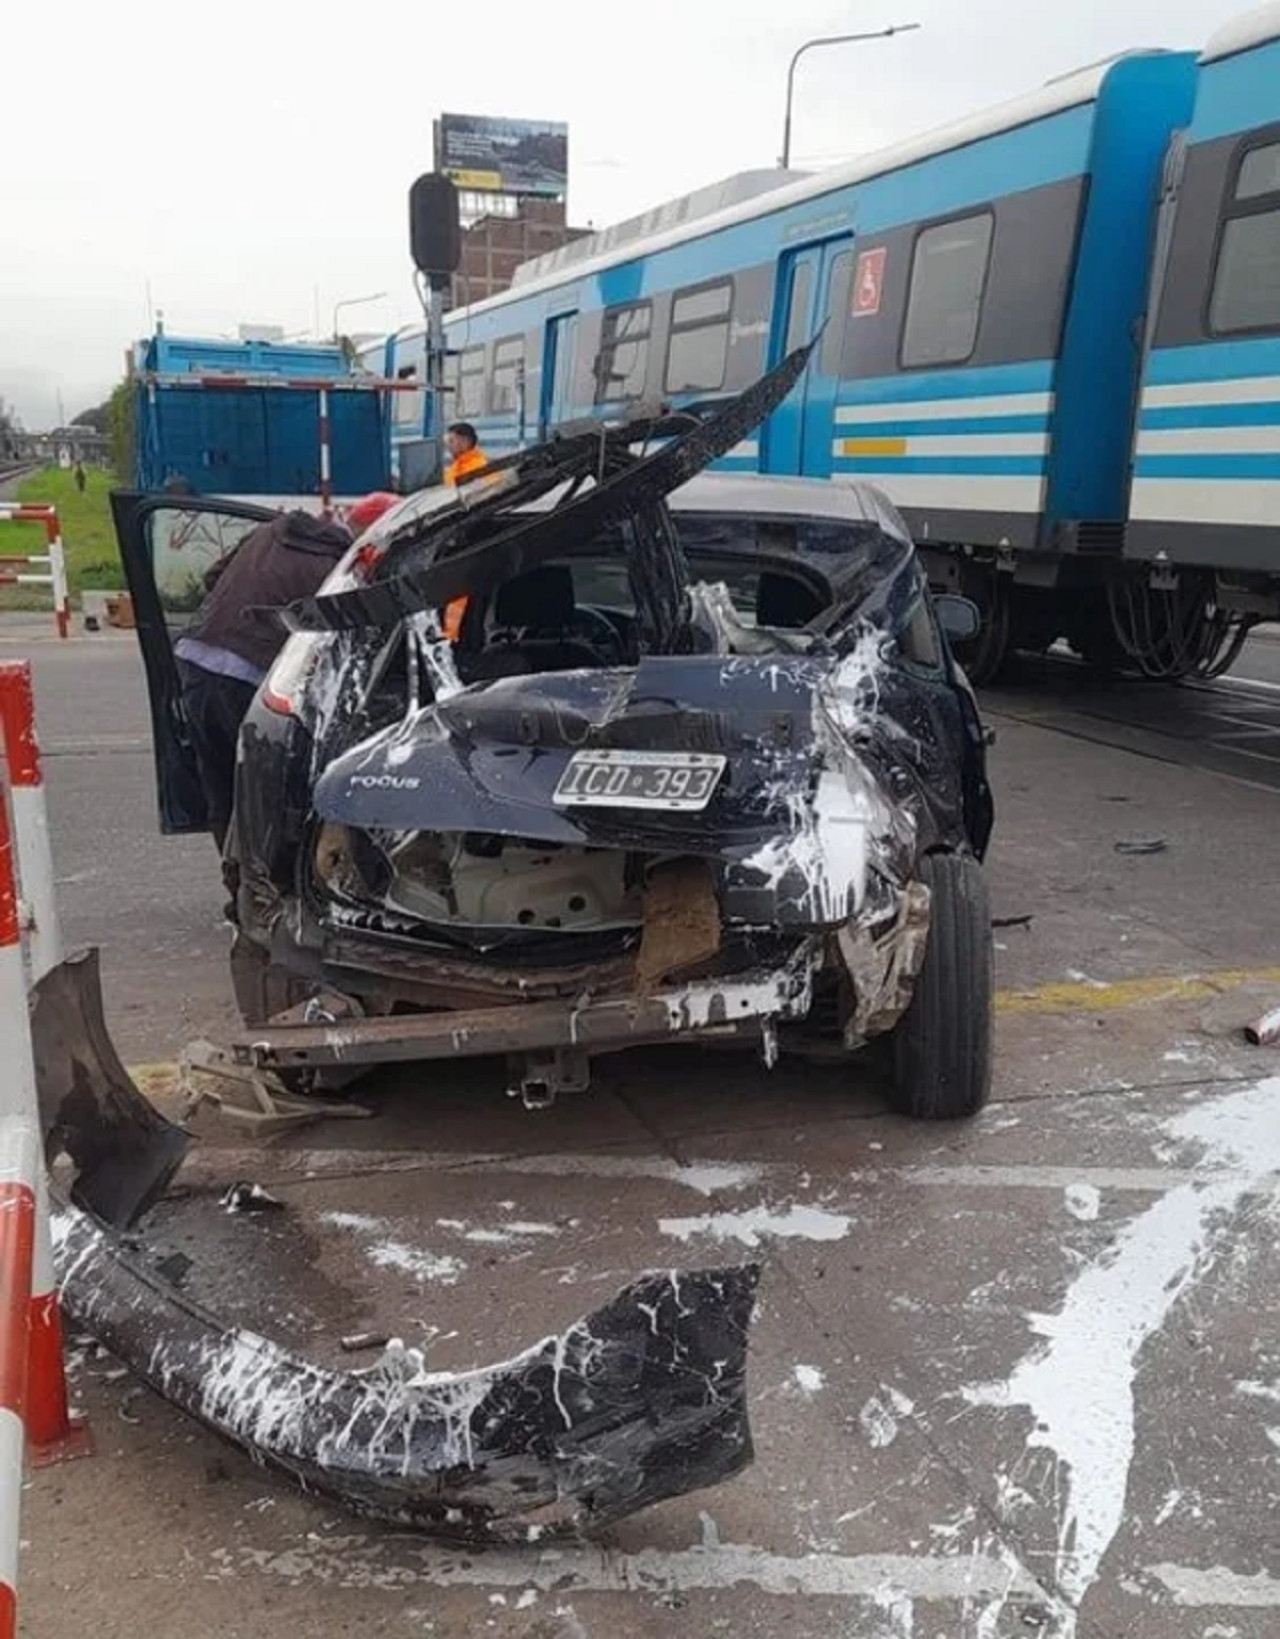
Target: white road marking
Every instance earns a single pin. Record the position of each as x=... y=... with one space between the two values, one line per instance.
x=1137 y=1180
x=704 y=1177
x=359 y=1562
x=807 y=1223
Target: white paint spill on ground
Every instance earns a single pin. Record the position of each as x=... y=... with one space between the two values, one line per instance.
x=806 y=1223
x=1217 y=1586
x=810 y=1379
x=362 y=1222
x=878 y=1423
x=392 y=1253
x=1259 y=1391
x=1078 y=1382
x=417 y=1261
x=365 y=1563
x=1168 y=1508
x=879 y=1418
x=1083 y=1201
x=495 y=1237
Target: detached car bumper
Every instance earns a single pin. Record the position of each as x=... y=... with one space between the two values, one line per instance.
x=641 y=1400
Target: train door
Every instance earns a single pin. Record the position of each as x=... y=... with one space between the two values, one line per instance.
x=558 y=353
x=813 y=289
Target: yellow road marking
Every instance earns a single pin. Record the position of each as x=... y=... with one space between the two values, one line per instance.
x=874 y=446
x=1080 y=996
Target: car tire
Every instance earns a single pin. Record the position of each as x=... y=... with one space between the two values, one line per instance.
x=942 y=1044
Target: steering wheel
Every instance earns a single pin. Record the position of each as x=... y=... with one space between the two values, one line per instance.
x=590 y=626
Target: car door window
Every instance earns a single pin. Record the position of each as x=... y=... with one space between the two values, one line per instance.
x=185 y=546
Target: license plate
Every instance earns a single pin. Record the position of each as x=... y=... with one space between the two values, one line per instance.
x=639 y=779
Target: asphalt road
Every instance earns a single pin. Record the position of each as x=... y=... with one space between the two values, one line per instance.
x=1019 y=1377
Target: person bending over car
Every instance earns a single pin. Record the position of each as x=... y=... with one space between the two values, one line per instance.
x=231 y=643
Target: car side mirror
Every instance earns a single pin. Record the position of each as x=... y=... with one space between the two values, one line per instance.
x=960 y=618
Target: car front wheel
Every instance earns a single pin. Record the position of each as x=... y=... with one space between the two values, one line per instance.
x=942 y=1044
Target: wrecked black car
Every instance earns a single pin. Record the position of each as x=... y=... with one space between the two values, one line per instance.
x=601 y=749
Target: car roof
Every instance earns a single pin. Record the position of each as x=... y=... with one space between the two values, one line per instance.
x=765 y=495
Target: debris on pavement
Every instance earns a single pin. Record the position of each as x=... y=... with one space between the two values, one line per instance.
x=357 y=1342
x=1264 y=1032
x=246 y=1197
x=1141 y=845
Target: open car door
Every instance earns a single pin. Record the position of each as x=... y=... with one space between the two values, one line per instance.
x=168 y=543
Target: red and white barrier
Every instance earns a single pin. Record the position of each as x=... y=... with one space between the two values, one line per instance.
x=33 y=1387
x=38 y=908
x=54 y=560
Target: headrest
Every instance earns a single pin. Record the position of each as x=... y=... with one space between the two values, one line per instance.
x=540 y=600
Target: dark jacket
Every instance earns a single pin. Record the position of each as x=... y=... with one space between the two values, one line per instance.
x=274 y=564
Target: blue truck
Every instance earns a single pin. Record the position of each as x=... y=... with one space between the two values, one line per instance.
x=257 y=418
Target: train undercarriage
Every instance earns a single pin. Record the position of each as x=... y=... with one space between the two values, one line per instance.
x=1145 y=619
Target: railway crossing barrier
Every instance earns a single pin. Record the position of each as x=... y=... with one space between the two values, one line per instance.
x=34 y=1413
x=50 y=566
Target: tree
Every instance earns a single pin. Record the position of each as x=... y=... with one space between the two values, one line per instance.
x=95 y=418
x=120 y=431
x=8 y=427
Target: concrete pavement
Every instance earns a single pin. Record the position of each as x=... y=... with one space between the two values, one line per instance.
x=1016 y=1377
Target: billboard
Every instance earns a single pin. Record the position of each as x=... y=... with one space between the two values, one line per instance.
x=503 y=156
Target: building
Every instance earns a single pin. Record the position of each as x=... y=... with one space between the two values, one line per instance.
x=63 y=446
x=495 y=244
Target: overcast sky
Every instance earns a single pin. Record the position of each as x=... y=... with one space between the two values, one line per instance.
x=249 y=160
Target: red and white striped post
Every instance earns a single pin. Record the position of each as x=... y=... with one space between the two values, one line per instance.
x=55 y=560
x=38 y=907
x=50 y=1432
x=20 y=1170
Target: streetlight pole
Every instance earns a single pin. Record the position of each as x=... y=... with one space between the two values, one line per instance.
x=827 y=40
x=354 y=301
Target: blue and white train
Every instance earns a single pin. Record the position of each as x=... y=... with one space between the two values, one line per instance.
x=1051 y=332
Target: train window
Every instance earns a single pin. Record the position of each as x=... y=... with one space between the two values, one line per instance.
x=1259 y=172
x=470 y=394
x=450 y=379
x=372 y=358
x=948 y=275
x=624 y=352
x=411 y=365
x=699 y=341
x=508 y=368
x=1246 y=281
x=839 y=297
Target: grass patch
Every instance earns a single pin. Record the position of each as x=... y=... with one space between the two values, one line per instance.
x=87 y=534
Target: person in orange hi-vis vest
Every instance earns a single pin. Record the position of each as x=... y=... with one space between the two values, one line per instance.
x=466 y=456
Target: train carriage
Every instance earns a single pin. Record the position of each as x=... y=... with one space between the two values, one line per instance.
x=983 y=295
x=1206 y=476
